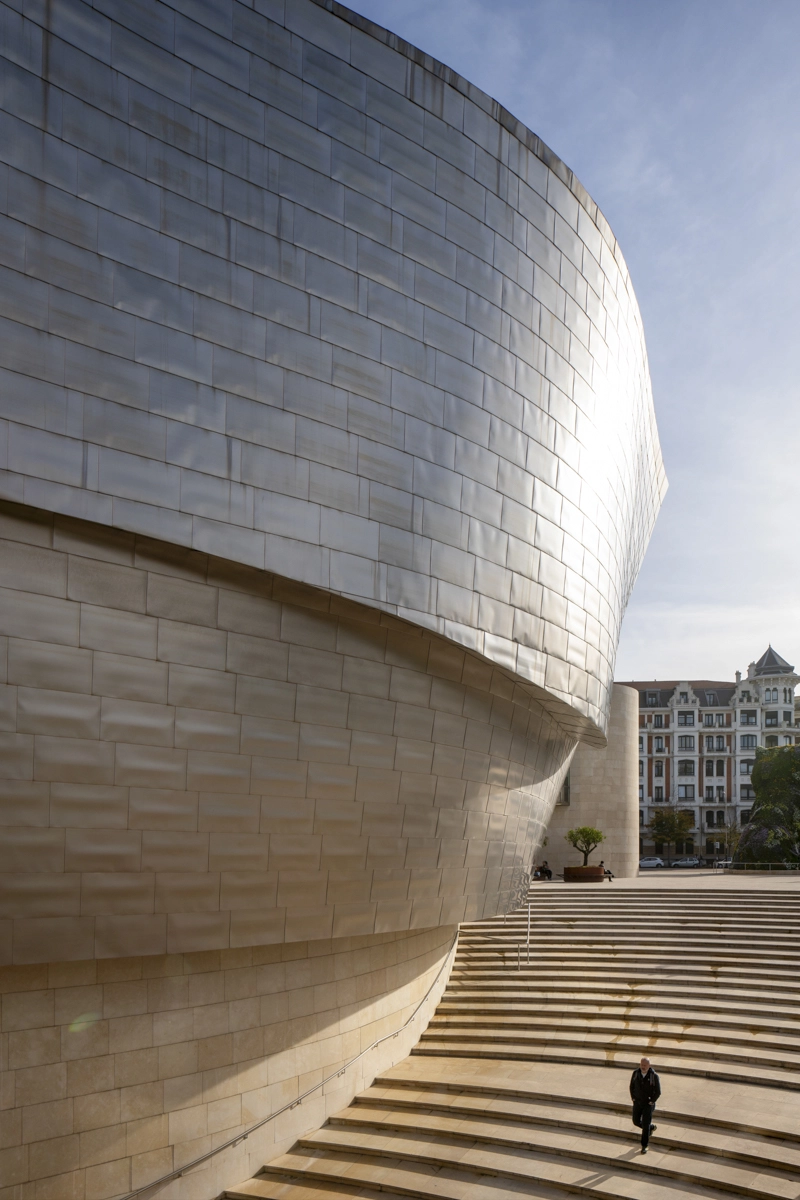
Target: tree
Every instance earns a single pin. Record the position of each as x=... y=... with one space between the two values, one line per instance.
x=773 y=831
x=731 y=836
x=585 y=839
x=670 y=825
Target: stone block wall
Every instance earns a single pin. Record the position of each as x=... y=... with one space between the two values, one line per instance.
x=604 y=792
x=118 y=1071
x=201 y=756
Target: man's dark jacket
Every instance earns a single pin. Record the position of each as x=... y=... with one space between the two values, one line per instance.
x=645 y=1087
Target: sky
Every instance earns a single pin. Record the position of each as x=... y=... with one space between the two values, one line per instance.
x=682 y=120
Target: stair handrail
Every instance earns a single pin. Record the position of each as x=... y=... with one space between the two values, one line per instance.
x=242 y=1137
x=488 y=937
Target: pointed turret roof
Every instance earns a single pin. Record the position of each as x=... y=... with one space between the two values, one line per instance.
x=771 y=663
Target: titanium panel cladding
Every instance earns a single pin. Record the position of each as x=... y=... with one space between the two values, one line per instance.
x=284 y=295
x=279 y=287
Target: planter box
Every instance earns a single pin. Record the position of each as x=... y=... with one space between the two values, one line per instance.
x=584 y=874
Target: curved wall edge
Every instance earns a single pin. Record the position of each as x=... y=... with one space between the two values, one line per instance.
x=290 y=292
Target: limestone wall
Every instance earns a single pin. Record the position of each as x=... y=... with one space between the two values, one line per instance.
x=198 y=756
x=604 y=792
x=116 y=1072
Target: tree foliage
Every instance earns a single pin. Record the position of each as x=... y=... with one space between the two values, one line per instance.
x=773 y=832
x=585 y=839
x=670 y=825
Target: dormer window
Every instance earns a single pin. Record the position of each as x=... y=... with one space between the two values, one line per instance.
x=684 y=698
x=711 y=698
x=651 y=699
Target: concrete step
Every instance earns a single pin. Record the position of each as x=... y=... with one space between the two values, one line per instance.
x=628 y=960
x=779 y=949
x=519 y=1085
x=553 y=1157
x=707 y=1103
x=512 y=1111
x=699 y=1003
x=640 y=917
x=702 y=1060
x=772 y=1052
x=631 y=1014
x=551 y=1125
x=623 y=975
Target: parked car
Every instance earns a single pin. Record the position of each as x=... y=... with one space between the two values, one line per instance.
x=723 y=864
x=651 y=861
x=691 y=861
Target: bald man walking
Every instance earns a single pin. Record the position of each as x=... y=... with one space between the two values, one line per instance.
x=645 y=1091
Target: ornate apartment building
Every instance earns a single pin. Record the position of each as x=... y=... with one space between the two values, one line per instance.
x=697 y=743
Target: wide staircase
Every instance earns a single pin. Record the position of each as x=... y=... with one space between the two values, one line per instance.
x=520 y=1083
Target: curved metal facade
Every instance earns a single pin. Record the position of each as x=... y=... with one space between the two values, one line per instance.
x=282 y=290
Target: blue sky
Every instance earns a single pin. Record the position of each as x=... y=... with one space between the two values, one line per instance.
x=682 y=119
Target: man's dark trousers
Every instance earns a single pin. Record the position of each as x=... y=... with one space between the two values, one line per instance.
x=643 y=1119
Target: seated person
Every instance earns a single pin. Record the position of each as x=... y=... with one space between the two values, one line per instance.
x=608 y=873
x=543 y=872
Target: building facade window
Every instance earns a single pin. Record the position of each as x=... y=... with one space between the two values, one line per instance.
x=686 y=718
x=686 y=791
x=658 y=744
x=686 y=742
x=658 y=793
x=748 y=716
x=709 y=743
x=641 y=768
x=748 y=741
x=745 y=816
x=686 y=766
x=658 y=721
x=771 y=740
x=746 y=792
x=652 y=700
x=746 y=766
x=720 y=766
x=658 y=770
x=770 y=719
x=720 y=742
x=709 y=767
x=720 y=718
x=787 y=718
x=708 y=719
x=709 y=796
x=684 y=698
x=641 y=791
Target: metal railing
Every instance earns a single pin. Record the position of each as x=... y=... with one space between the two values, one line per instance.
x=761 y=866
x=241 y=1137
x=518 y=946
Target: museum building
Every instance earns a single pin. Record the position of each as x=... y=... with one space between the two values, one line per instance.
x=329 y=461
